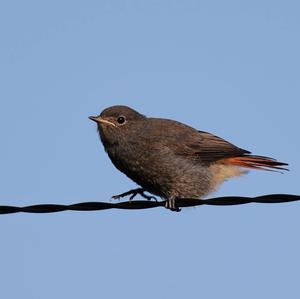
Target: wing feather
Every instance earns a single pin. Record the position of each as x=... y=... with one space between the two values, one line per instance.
x=208 y=148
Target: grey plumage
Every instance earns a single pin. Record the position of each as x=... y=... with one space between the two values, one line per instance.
x=168 y=158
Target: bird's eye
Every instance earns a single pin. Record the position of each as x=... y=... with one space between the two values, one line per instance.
x=121 y=120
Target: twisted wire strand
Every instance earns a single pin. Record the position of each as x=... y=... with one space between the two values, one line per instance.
x=145 y=204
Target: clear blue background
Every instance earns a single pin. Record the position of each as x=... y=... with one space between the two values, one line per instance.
x=228 y=67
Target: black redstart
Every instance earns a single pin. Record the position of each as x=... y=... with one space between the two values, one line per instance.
x=170 y=159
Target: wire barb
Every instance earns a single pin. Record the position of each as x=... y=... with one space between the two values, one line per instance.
x=145 y=204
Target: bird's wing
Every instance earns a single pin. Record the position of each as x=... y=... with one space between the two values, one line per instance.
x=203 y=147
x=185 y=141
x=208 y=148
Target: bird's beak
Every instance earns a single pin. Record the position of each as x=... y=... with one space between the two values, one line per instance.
x=99 y=119
x=93 y=118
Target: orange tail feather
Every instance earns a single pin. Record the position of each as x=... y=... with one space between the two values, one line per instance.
x=256 y=162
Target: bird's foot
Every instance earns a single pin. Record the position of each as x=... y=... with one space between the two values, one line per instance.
x=171 y=205
x=134 y=193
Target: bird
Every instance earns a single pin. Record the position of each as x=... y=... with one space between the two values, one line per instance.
x=170 y=159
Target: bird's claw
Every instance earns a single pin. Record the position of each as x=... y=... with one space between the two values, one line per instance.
x=171 y=205
x=133 y=193
x=148 y=197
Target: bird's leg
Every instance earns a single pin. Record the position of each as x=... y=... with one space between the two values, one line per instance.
x=133 y=193
x=148 y=197
x=171 y=204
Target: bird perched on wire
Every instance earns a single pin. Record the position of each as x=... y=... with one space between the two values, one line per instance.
x=170 y=159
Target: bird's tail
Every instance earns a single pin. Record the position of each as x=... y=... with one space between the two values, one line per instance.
x=256 y=162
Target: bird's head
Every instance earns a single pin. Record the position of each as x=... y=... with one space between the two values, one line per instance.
x=115 y=122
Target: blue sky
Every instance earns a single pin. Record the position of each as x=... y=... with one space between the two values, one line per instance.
x=228 y=67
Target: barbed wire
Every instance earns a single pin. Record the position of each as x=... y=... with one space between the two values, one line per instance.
x=147 y=204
